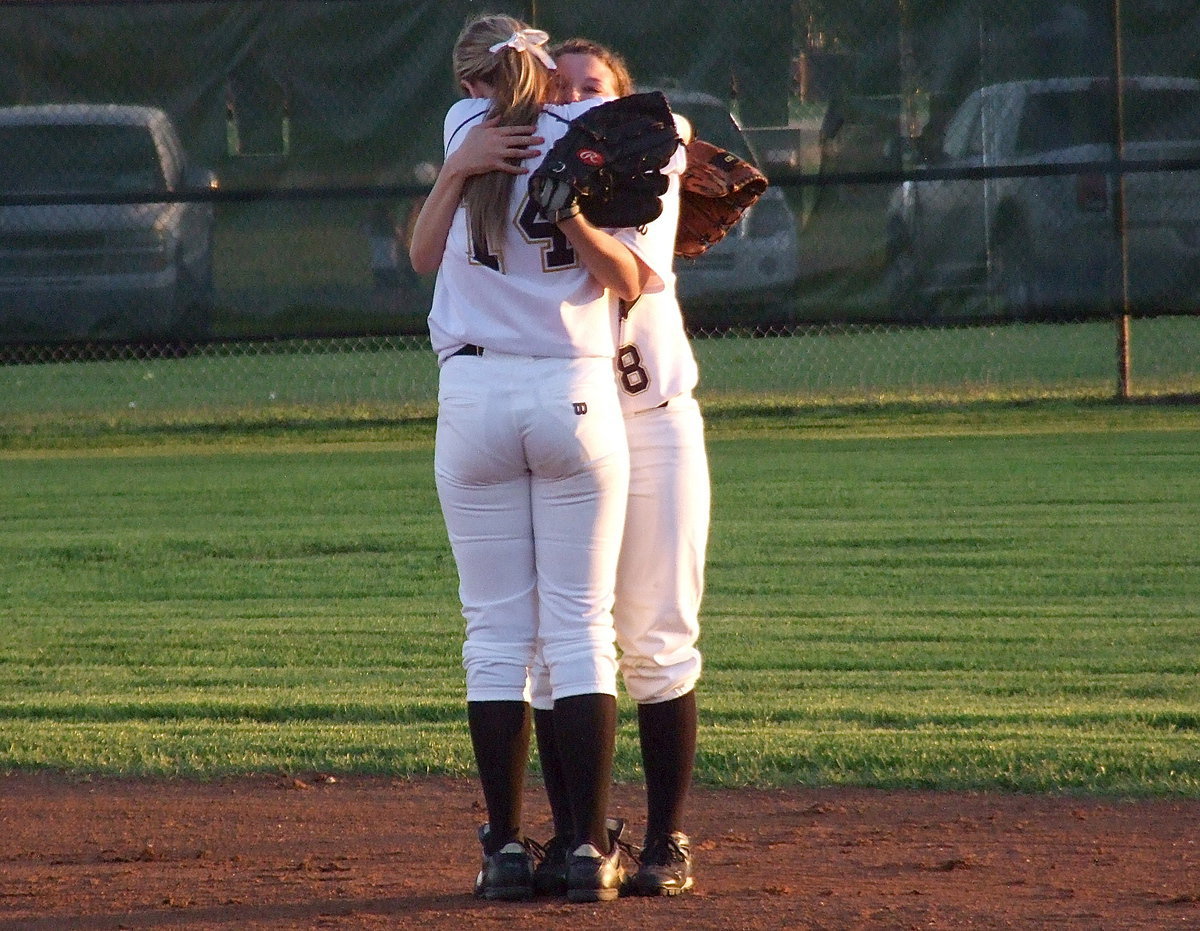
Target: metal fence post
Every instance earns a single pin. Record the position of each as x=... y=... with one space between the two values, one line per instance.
x=1119 y=213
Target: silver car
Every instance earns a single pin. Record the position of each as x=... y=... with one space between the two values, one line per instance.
x=758 y=261
x=97 y=269
x=1040 y=240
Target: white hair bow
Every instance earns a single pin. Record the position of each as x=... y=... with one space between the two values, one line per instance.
x=528 y=40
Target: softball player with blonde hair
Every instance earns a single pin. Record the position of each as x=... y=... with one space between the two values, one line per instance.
x=530 y=458
x=660 y=575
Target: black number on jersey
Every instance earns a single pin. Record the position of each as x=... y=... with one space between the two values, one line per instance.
x=556 y=248
x=634 y=377
x=481 y=255
x=557 y=253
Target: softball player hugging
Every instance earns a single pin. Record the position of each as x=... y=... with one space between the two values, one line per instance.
x=660 y=576
x=530 y=458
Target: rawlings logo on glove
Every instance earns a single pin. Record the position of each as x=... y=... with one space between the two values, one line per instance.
x=609 y=164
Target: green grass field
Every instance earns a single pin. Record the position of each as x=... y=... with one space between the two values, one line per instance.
x=984 y=596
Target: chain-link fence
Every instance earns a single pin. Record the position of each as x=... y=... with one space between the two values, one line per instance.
x=381 y=378
x=204 y=205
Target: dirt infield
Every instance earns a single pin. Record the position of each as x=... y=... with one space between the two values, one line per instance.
x=319 y=852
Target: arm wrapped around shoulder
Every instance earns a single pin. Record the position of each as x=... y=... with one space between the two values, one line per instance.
x=717 y=188
x=609 y=163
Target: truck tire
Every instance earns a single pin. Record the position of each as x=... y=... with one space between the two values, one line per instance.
x=1012 y=282
x=902 y=275
x=194 y=299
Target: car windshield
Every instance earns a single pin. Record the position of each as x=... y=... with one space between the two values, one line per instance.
x=1163 y=115
x=51 y=158
x=1061 y=119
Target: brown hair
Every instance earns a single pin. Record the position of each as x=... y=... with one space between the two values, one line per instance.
x=520 y=85
x=622 y=79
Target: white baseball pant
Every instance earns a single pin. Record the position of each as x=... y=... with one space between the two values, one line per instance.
x=532 y=472
x=660 y=577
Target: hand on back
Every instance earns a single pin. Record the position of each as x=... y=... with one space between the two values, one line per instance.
x=491 y=147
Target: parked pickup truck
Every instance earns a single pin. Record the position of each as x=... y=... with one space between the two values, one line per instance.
x=125 y=271
x=1034 y=243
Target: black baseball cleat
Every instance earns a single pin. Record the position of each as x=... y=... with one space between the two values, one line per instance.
x=595 y=876
x=550 y=875
x=666 y=866
x=507 y=874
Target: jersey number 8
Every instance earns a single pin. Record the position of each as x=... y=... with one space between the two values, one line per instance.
x=634 y=377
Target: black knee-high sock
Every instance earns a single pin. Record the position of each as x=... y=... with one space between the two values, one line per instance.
x=668 y=736
x=552 y=774
x=585 y=728
x=500 y=737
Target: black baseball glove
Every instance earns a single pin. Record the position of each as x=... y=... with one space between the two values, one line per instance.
x=609 y=164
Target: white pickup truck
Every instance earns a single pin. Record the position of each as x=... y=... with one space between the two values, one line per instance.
x=94 y=269
x=1038 y=243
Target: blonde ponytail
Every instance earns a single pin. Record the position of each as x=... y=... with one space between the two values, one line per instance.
x=520 y=85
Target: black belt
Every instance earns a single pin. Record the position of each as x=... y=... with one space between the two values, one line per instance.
x=468 y=350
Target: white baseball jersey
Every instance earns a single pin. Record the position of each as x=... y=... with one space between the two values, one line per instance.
x=528 y=294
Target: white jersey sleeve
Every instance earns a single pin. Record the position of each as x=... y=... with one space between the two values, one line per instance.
x=654 y=244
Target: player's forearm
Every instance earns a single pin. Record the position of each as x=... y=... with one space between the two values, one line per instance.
x=609 y=261
x=433 y=223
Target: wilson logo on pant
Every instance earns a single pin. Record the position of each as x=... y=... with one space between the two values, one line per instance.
x=580 y=407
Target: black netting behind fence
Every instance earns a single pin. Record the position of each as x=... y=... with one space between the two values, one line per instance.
x=188 y=173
